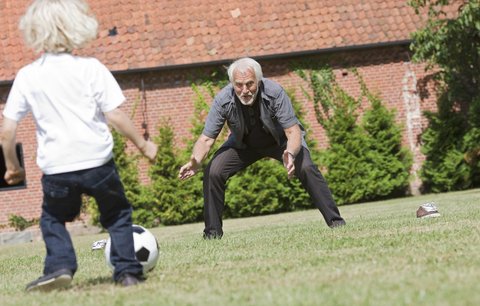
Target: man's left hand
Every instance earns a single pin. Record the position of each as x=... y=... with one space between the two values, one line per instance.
x=289 y=163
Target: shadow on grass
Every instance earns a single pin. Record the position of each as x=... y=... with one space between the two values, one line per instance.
x=92 y=282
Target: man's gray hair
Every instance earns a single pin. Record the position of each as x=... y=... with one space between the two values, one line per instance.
x=58 y=25
x=244 y=64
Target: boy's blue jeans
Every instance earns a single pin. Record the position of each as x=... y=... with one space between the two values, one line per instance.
x=62 y=202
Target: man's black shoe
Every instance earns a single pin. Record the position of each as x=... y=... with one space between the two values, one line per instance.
x=212 y=235
x=337 y=223
x=56 y=280
x=128 y=279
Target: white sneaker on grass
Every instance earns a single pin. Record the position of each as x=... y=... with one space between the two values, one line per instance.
x=428 y=210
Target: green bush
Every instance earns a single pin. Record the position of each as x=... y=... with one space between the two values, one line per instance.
x=452 y=47
x=365 y=160
x=390 y=175
x=19 y=223
x=449 y=138
x=173 y=201
x=263 y=188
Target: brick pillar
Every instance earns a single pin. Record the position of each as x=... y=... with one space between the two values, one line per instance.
x=413 y=115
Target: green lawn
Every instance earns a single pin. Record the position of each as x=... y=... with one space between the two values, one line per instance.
x=384 y=256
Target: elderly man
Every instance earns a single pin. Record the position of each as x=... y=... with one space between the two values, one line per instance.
x=262 y=123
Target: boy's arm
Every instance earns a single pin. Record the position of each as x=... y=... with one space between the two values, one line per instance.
x=122 y=123
x=15 y=173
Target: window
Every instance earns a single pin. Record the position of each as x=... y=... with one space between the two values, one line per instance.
x=3 y=184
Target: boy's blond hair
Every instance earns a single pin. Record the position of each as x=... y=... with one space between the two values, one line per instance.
x=57 y=26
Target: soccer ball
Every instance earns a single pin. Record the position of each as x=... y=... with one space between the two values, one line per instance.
x=146 y=248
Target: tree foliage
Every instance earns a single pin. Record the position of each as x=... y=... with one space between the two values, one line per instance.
x=365 y=159
x=450 y=45
x=176 y=201
x=173 y=201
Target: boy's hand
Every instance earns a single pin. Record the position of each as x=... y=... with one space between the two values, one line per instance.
x=149 y=150
x=13 y=177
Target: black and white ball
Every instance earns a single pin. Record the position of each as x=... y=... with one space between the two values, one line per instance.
x=146 y=248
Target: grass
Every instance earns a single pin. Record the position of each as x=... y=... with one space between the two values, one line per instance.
x=384 y=256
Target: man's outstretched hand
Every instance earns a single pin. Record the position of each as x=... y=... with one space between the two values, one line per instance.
x=289 y=163
x=189 y=169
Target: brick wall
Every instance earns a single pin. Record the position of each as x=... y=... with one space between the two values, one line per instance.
x=168 y=95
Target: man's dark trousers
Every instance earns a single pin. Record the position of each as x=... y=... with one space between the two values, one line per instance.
x=227 y=161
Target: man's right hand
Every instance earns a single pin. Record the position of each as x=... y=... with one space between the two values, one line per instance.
x=189 y=169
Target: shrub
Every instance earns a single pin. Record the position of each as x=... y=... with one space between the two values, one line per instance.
x=19 y=223
x=173 y=201
x=451 y=45
x=364 y=160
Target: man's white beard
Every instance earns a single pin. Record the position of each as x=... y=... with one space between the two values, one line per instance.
x=249 y=102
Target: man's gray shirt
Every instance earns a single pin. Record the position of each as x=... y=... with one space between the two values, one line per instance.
x=276 y=113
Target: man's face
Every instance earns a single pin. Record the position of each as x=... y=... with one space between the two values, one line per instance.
x=245 y=86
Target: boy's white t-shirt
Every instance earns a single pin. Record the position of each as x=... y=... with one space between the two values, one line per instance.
x=67 y=96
